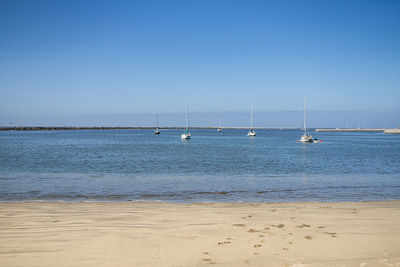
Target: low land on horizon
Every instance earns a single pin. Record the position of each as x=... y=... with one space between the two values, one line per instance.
x=202 y=234
x=55 y=128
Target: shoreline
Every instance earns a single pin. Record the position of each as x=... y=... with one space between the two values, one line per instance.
x=198 y=202
x=133 y=233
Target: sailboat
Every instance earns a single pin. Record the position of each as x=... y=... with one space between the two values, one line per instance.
x=186 y=134
x=251 y=132
x=157 y=131
x=219 y=129
x=306 y=137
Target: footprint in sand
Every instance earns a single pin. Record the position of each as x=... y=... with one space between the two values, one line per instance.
x=239 y=225
x=303 y=226
x=308 y=237
x=209 y=261
x=279 y=225
x=257 y=245
x=331 y=234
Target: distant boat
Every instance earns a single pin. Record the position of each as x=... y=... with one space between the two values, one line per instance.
x=306 y=137
x=157 y=131
x=219 y=129
x=186 y=134
x=251 y=132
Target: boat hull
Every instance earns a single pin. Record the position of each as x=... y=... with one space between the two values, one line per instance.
x=307 y=139
x=185 y=136
x=251 y=134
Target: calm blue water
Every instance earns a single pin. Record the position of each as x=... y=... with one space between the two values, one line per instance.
x=119 y=165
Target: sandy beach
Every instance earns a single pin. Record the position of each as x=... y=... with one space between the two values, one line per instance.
x=221 y=234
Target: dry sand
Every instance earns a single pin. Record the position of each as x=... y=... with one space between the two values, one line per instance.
x=162 y=234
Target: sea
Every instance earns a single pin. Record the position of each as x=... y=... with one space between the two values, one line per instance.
x=227 y=166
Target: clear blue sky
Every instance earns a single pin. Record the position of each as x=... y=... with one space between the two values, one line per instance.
x=72 y=58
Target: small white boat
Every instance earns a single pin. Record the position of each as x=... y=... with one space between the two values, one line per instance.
x=251 y=132
x=186 y=134
x=157 y=131
x=306 y=137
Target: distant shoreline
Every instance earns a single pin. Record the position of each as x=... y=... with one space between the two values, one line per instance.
x=350 y=130
x=56 y=128
x=71 y=128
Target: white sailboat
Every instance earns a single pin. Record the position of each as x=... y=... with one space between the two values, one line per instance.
x=186 y=134
x=157 y=131
x=306 y=137
x=219 y=129
x=251 y=132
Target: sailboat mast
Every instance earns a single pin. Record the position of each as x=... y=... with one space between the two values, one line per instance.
x=219 y=122
x=251 y=116
x=187 y=117
x=305 y=118
x=157 y=119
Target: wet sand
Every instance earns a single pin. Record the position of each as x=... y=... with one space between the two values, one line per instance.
x=220 y=234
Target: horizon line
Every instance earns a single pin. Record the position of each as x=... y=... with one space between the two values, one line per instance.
x=38 y=128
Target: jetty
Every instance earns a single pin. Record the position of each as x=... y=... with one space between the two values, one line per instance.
x=71 y=128
x=350 y=130
x=392 y=131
